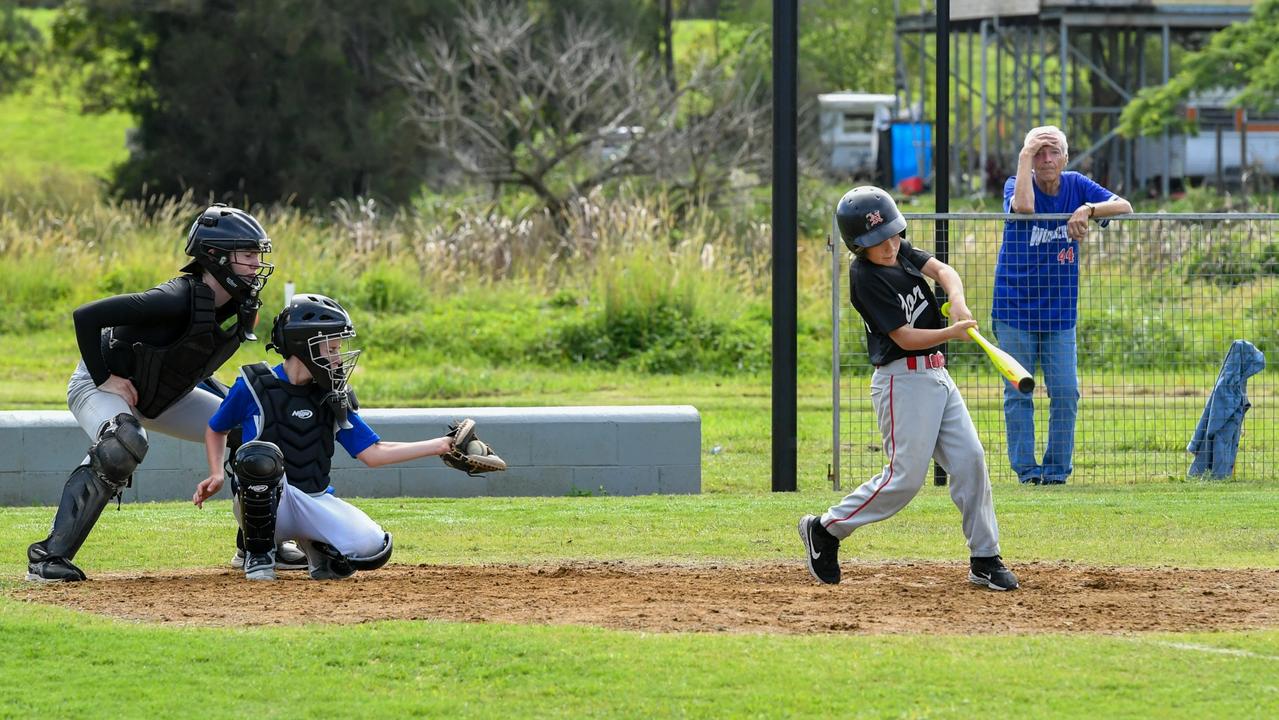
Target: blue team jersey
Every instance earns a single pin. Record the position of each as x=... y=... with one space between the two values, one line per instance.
x=239 y=408
x=1037 y=273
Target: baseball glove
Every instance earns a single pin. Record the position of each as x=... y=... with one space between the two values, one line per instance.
x=468 y=453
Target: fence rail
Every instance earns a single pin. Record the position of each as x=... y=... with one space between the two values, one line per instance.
x=1161 y=299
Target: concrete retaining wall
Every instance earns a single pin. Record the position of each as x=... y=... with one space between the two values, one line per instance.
x=549 y=451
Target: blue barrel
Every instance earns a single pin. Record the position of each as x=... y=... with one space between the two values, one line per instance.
x=908 y=138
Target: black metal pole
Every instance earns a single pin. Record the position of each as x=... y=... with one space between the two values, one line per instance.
x=785 y=236
x=941 y=155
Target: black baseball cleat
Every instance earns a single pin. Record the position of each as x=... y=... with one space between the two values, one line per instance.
x=991 y=572
x=328 y=563
x=821 y=550
x=54 y=569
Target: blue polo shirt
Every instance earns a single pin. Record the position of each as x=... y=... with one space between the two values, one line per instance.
x=1037 y=272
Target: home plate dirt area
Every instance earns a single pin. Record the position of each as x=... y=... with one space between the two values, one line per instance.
x=906 y=597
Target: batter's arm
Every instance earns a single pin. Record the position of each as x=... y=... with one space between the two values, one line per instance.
x=952 y=284
x=909 y=338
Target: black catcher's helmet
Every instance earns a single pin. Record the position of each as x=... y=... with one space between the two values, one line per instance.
x=867 y=216
x=219 y=231
x=315 y=329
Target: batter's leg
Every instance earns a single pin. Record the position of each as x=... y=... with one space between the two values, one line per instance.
x=960 y=451
x=909 y=406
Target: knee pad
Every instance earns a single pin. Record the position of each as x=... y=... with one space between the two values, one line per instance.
x=120 y=447
x=376 y=560
x=259 y=466
x=257 y=462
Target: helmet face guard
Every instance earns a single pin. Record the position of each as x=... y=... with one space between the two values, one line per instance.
x=318 y=331
x=245 y=289
x=330 y=364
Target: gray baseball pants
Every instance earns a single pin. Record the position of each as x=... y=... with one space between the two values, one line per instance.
x=922 y=417
x=186 y=419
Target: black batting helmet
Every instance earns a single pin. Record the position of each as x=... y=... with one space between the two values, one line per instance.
x=867 y=216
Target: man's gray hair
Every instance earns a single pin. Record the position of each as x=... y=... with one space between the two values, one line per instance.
x=1052 y=130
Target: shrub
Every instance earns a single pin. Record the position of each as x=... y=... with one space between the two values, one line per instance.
x=388 y=288
x=1224 y=263
x=1110 y=340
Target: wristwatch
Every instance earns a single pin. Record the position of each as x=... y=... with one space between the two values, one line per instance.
x=1092 y=209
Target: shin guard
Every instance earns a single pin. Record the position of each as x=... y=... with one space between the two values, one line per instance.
x=83 y=498
x=259 y=467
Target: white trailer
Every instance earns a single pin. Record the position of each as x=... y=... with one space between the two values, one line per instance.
x=850 y=124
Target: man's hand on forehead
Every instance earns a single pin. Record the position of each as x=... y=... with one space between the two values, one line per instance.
x=1042 y=140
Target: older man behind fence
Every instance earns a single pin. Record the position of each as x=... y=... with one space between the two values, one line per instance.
x=1035 y=306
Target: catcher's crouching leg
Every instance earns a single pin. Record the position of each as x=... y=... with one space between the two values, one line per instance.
x=329 y=564
x=259 y=467
x=468 y=453
x=120 y=447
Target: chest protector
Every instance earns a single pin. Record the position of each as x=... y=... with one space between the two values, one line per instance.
x=164 y=375
x=298 y=421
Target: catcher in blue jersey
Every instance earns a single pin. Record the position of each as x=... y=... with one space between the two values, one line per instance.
x=293 y=417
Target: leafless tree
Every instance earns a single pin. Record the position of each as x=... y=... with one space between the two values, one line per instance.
x=561 y=111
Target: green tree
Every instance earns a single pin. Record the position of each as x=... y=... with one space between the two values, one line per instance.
x=21 y=49
x=844 y=46
x=1244 y=55
x=269 y=101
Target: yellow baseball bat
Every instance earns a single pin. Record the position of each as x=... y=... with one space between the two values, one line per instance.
x=1006 y=364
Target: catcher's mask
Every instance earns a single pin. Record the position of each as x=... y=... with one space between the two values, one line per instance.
x=867 y=216
x=220 y=231
x=317 y=331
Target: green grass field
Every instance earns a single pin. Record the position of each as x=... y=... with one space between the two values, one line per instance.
x=65 y=664
x=42 y=134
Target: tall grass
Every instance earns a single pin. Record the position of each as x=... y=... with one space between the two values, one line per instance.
x=623 y=279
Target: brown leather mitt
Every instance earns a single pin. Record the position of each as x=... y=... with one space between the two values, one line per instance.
x=470 y=454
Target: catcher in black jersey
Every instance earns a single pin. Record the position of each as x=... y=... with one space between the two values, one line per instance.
x=142 y=357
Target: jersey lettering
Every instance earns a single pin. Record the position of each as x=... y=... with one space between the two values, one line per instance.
x=1040 y=236
x=913 y=304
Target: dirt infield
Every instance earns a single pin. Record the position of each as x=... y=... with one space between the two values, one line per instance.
x=928 y=598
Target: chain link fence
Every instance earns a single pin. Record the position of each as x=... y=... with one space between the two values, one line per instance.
x=1162 y=297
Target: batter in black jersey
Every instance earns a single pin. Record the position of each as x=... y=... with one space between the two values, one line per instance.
x=922 y=416
x=888 y=296
x=142 y=357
